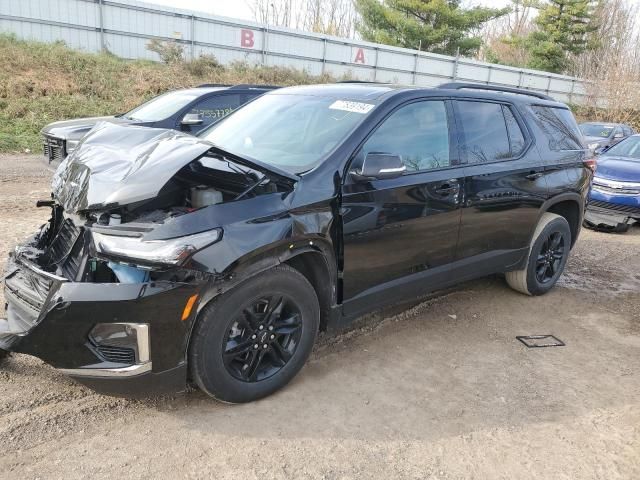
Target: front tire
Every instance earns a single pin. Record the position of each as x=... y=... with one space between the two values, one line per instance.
x=255 y=338
x=548 y=254
x=3 y=355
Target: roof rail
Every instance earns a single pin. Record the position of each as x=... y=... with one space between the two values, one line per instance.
x=493 y=88
x=249 y=85
x=205 y=85
x=357 y=81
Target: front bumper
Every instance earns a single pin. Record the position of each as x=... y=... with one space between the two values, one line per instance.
x=610 y=209
x=51 y=318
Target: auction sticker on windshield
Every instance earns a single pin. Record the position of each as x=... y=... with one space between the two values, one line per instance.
x=354 y=107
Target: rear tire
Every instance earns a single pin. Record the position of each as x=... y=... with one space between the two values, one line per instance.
x=3 y=355
x=547 y=258
x=256 y=337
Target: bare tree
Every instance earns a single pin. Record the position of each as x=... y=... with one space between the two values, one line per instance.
x=613 y=65
x=503 y=38
x=333 y=17
x=279 y=13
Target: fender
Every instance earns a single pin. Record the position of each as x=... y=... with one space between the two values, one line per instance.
x=254 y=264
x=563 y=197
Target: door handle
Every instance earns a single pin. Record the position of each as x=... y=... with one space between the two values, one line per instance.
x=447 y=188
x=534 y=175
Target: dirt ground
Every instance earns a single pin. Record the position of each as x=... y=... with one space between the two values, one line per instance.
x=442 y=390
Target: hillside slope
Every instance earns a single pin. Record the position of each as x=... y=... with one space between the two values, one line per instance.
x=41 y=83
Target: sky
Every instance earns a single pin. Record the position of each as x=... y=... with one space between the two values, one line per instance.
x=240 y=8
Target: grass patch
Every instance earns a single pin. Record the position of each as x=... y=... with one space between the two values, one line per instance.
x=44 y=82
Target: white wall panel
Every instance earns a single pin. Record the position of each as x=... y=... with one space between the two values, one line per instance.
x=129 y=24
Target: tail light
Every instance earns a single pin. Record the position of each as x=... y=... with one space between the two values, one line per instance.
x=590 y=164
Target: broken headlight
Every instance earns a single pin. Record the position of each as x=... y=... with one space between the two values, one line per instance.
x=172 y=252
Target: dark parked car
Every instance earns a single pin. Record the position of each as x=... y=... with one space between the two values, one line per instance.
x=600 y=136
x=615 y=195
x=188 y=110
x=219 y=258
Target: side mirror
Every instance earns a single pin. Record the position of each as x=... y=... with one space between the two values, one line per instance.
x=192 y=119
x=379 y=166
x=618 y=135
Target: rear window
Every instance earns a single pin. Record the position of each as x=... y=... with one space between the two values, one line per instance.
x=560 y=126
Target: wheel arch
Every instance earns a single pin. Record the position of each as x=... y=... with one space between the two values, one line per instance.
x=570 y=206
x=312 y=256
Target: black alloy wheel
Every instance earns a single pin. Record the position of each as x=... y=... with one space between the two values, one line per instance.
x=253 y=339
x=263 y=338
x=550 y=258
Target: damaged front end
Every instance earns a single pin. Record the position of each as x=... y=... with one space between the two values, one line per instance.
x=108 y=289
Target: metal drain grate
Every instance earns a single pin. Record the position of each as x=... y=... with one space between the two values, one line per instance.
x=540 y=341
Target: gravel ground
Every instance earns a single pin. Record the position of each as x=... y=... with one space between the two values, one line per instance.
x=439 y=390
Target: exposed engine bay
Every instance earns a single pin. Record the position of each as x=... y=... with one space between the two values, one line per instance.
x=104 y=207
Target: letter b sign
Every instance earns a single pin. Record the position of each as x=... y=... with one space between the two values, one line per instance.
x=246 y=38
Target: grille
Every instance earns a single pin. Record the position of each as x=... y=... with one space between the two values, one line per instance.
x=116 y=354
x=54 y=149
x=66 y=248
x=613 y=206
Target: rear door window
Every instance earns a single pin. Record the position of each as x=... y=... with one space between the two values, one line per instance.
x=560 y=126
x=516 y=137
x=483 y=129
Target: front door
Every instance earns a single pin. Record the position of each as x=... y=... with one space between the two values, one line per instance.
x=398 y=231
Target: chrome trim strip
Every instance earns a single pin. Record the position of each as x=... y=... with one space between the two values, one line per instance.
x=27 y=264
x=605 y=182
x=131 y=371
x=393 y=170
x=144 y=358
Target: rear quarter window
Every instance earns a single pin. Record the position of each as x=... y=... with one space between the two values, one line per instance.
x=560 y=126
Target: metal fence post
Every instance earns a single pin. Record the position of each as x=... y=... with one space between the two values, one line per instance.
x=548 y=84
x=265 y=45
x=415 y=68
x=101 y=21
x=455 y=65
x=520 y=79
x=489 y=75
x=193 y=39
x=324 y=54
x=375 y=66
x=573 y=86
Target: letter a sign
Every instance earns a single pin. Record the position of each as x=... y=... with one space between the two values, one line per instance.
x=246 y=38
x=359 y=56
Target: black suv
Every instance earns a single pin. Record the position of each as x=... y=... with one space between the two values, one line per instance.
x=188 y=110
x=219 y=258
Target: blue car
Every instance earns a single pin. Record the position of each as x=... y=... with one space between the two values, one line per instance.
x=614 y=202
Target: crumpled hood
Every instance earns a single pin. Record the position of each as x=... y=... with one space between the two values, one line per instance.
x=118 y=165
x=78 y=128
x=618 y=168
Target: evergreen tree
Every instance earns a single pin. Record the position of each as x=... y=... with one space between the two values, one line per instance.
x=565 y=28
x=438 y=26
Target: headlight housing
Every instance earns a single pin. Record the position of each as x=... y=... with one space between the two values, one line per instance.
x=172 y=252
x=71 y=145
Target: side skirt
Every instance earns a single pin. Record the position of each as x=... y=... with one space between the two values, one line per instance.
x=419 y=283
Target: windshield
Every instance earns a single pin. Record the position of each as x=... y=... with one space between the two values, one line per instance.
x=162 y=107
x=602 y=131
x=629 y=147
x=292 y=132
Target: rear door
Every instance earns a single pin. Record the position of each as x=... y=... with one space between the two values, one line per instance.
x=504 y=184
x=397 y=232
